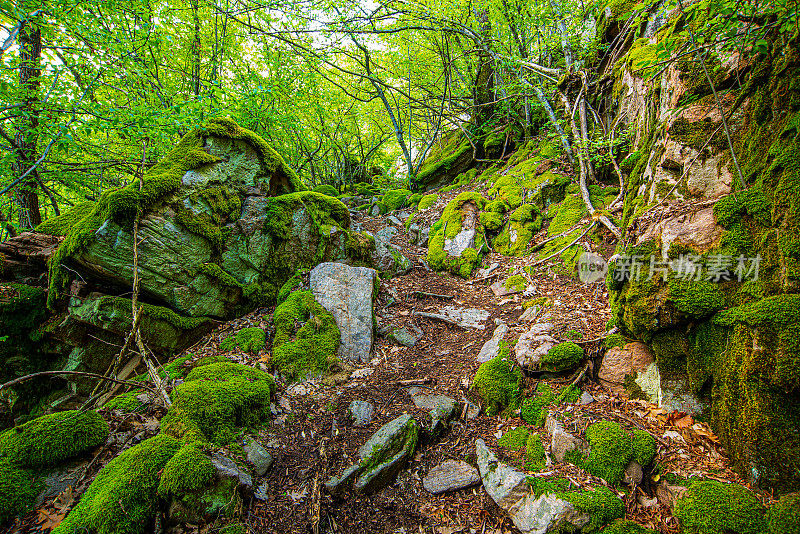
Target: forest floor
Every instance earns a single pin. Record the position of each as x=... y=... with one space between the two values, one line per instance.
x=311 y=438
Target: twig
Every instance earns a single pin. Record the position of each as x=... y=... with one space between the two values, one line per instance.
x=434 y=295
x=414 y=381
x=74 y=373
x=553 y=255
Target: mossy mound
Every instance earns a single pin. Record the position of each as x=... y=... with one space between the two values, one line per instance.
x=534 y=408
x=784 y=516
x=326 y=189
x=562 y=357
x=602 y=504
x=247 y=340
x=612 y=448
x=51 y=439
x=306 y=336
x=188 y=471
x=497 y=382
x=61 y=224
x=394 y=199
x=514 y=439
x=17 y=490
x=523 y=222
x=535 y=457
x=448 y=227
x=123 y=497
x=427 y=201
x=712 y=507
x=218 y=400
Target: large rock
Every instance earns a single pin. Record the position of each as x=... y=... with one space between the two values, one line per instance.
x=388 y=257
x=619 y=362
x=347 y=293
x=224 y=223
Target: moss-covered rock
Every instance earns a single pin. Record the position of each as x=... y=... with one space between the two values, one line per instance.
x=250 y=339
x=17 y=490
x=456 y=239
x=123 y=497
x=602 y=505
x=449 y=157
x=535 y=456
x=394 y=199
x=326 y=189
x=497 y=382
x=217 y=401
x=516 y=236
x=51 y=439
x=784 y=516
x=306 y=336
x=562 y=357
x=534 y=408
x=712 y=507
x=427 y=201
x=190 y=470
x=514 y=439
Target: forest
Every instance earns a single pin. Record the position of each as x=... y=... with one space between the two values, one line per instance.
x=485 y=266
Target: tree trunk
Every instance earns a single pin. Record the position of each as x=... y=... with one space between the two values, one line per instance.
x=26 y=195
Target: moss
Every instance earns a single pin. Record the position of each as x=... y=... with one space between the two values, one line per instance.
x=614 y=340
x=51 y=439
x=497 y=382
x=602 y=504
x=514 y=439
x=522 y=224
x=248 y=340
x=712 y=507
x=326 y=189
x=218 y=400
x=541 y=486
x=696 y=134
x=126 y=402
x=188 y=471
x=784 y=516
x=569 y=394
x=291 y=284
x=61 y=225
x=516 y=282
x=535 y=458
x=611 y=451
x=306 y=336
x=534 y=409
x=696 y=298
x=621 y=526
x=24 y=312
x=395 y=199
x=427 y=201
x=17 y=490
x=122 y=499
x=448 y=227
x=644 y=447
x=562 y=357
x=452 y=148
x=491 y=220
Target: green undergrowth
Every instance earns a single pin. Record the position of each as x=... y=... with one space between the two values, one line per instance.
x=306 y=336
x=217 y=401
x=535 y=456
x=123 y=497
x=497 y=382
x=514 y=439
x=53 y=438
x=713 y=507
x=534 y=409
x=784 y=516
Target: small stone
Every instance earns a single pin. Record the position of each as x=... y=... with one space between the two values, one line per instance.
x=441 y=408
x=450 y=475
x=491 y=348
x=258 y=456
x=473 y=410
x=585 y=399
x=633 y=474
x=361 y=412
x=394 y=220
x=407 y=335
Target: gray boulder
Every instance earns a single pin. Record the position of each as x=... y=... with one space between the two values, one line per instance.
x=491 y=348
x=347 y=293
x=388 y=257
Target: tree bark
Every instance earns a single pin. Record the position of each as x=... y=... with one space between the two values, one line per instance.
x=26 y=195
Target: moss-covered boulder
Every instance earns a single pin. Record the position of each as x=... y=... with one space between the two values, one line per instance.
x=218 y=400
x=247 y=340
x=713 y=507
x=51 y=439
x=123 y=499
x=17 y=490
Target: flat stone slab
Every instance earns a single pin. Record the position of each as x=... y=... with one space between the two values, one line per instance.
x=450 y=475
x=467 y=317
